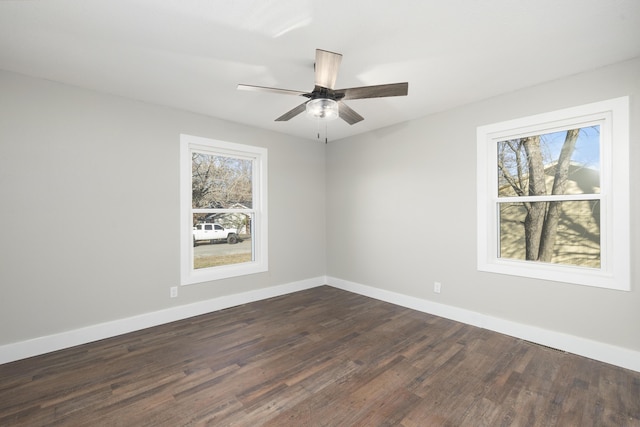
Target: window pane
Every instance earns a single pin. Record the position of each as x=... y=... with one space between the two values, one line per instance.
x=220 y=182
x=565 y=162
x=228 y=241
x=574 y=240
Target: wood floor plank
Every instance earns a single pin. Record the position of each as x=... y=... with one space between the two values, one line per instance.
x=320 y=357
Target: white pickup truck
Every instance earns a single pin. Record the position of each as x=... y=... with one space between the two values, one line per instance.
x=213 y=233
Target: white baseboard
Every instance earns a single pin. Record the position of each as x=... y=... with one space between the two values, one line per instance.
x=619 y=356
x=49 y=343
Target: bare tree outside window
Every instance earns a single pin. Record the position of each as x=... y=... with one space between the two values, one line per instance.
x=551 y=172
x=220 y=181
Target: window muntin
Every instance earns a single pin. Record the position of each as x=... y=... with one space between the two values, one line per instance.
x=565 y=172
x=223 y=209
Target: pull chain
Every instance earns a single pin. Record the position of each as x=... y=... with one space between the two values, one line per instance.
x=326 y=138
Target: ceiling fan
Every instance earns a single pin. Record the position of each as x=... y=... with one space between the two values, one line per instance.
x=326 y=102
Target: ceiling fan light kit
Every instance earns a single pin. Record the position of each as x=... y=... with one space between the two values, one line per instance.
x=326 y=103
x=322 y=108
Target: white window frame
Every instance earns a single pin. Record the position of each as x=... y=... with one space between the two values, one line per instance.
x=614 y=271
x=258 y=155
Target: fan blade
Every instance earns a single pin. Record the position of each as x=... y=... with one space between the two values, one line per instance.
x=271 y=89
x=379 y=91
x=327 y=64
x=348 y=114
x=292 y=113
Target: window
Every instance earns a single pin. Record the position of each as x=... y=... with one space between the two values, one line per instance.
x=223 y=215
x=553 y=196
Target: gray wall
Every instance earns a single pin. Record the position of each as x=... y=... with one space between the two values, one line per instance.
x=401 y=214
x=89 y=214
x=89 y=217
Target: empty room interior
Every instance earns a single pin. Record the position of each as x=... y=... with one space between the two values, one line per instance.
x=304 y=213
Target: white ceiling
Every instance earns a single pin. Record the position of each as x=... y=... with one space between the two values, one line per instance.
x=191 y=54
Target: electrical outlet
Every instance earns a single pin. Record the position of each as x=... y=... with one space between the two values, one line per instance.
x=173 y=291
x=436 y=287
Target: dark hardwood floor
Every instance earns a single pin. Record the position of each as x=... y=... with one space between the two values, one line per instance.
x=321 y=357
